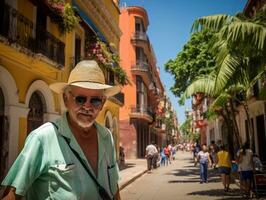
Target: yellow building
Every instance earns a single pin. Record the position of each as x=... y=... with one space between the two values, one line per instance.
x=34 y=52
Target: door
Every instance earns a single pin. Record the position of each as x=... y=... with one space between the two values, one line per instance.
x=261 y=136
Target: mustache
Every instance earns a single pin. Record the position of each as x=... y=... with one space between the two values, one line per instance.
x=86 y=111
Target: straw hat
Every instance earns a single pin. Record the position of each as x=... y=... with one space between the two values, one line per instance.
x=87 y=74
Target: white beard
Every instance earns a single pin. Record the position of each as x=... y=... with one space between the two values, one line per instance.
x=85 y=125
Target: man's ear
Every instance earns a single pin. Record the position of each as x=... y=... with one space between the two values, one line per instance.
x=65 y=98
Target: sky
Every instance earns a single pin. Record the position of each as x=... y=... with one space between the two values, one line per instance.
x=169 y=28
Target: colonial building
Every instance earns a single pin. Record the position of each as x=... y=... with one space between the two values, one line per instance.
x=143 y=94
x=37 y=49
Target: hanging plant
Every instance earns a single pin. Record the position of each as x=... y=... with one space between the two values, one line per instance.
x=99 y=51
x=63 y=14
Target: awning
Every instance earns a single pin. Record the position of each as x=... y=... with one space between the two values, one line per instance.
x=89 y=22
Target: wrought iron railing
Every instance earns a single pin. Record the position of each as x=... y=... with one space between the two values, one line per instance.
x=141 y=110
x=20 y=30
x=140 y=36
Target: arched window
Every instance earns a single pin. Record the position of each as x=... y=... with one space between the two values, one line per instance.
x=37 y=109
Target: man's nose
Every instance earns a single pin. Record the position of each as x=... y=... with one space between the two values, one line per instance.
x=88 y=103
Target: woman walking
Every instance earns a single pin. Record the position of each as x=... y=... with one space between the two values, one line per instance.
x=204 y=160
x=224 y=167
x=245 y=167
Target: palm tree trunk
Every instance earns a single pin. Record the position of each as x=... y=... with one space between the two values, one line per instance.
x=230 y=133
x=235 y=126
x=250 y=139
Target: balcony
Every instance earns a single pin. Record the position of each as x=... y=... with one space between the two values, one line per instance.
x=140 y=36
x=118 y=98
x=141 y=112
x=17 y=29
x=142 y=69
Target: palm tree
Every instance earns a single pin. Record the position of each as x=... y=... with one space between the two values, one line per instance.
x=240 y=41
x=239 y=46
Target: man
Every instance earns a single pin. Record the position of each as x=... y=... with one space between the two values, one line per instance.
x=151 y=150
x=73 y=158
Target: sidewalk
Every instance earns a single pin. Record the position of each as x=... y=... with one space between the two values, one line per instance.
x=134 y=168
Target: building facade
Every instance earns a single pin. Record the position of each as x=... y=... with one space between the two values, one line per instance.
x=34 y=52
x=143 y=94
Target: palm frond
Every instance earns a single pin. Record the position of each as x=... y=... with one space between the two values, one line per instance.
x=245 y=31
x=220 y=101
x=203 y=85
x=214 y=22
x=227 y=68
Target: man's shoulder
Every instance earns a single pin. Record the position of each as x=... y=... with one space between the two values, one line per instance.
x=44 y=131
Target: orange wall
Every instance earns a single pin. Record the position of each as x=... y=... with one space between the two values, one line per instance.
x=127 y=55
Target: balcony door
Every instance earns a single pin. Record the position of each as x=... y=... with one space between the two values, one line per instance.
x=261 y=134
x=41 y=25
x=142 y=96
x=139 y=26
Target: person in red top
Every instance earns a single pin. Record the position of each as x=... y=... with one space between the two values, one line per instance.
x=167 y=154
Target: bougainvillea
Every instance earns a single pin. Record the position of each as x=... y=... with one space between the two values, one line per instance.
x=63 y=14
x=100 y=51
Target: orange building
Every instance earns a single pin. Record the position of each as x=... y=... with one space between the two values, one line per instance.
x=138 y=125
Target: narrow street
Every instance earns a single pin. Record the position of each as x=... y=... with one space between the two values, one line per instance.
x=179 y=180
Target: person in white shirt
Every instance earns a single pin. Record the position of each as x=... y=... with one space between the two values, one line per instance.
x=151 y=150
x=245 y=168
x=204 y=160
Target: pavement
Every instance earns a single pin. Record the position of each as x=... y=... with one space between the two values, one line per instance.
x=133 y=169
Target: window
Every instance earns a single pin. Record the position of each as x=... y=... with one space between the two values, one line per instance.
x=35 y=116
x=142 y=97
x=140 y=55
x=139 y=26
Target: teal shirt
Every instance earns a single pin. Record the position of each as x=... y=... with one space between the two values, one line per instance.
x=47 y=169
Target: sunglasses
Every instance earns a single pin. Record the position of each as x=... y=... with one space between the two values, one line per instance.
x=80 y=100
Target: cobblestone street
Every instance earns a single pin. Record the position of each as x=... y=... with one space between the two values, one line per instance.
x=179 y=180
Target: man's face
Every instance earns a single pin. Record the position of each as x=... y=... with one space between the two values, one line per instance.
x=84 y=105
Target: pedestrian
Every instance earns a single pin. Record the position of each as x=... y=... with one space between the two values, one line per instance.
x=155 y=157
x=163 y=157
x=204 y=161
x=196 y=150
x=213 y=153
x=257 y=163
x=73 y=157
x=122 y=156
x=166 y=151
x=151 y=150
x=245 y=168
x=224 y=167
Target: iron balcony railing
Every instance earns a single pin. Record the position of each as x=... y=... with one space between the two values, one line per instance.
x=140 y=36
x=141 y=110
x=140 y=65
x=20 y=30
